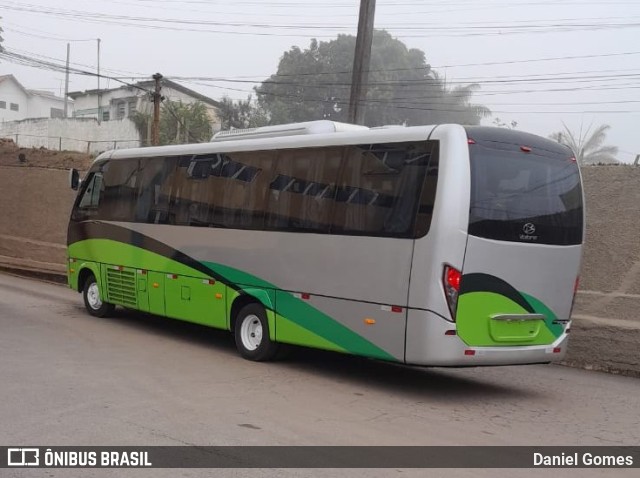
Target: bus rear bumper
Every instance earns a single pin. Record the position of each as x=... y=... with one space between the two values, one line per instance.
x=429 y=344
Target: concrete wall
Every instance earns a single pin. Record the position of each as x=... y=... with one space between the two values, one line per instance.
x=72 y=134
x=610 y=279
x=35 y=204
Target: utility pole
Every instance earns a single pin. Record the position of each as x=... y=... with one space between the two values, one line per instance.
x=99 y=94
x=66 y=83
x=157 y=98
x=361 y=61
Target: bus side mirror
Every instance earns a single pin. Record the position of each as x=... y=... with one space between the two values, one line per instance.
x=74 y=179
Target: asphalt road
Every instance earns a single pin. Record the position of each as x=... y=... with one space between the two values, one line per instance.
x=67 y=378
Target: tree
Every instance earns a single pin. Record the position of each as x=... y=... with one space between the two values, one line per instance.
x=179 y=123
x=241 y=114
x=403 y=89
x=588 y=146
x=184 y=123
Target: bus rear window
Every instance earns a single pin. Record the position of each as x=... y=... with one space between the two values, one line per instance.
x=524 y=196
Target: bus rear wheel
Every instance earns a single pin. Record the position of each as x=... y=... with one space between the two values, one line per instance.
x=252 y=334
x=92 y=300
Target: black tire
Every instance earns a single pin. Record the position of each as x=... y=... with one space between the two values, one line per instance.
x=91 y=287
x=252 y=318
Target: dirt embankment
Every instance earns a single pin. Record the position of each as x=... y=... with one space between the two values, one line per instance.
x=612 y=247
x=610 y=279
x=35 y=202
x=12 y=155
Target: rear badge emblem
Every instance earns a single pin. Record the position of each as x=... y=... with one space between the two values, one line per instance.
x=529 y=230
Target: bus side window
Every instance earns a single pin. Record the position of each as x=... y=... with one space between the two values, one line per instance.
x=302 y=189
x=121 y=195
x=428 y=196
x=152 y=205
x=91 y=196
x=379 y=189
x=87 y=205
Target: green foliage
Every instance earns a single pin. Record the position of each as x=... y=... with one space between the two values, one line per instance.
x=588 y=145
x=184 y=123
x=403 y=89
x=241 y=114
x=179 y=123
x=142 y=123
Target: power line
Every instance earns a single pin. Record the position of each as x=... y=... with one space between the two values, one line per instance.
x=59 y=68
x=46 y=37
x=556 y=77
x=479 y=92
x=391 y=4
x=152 y=22
x=488 y=63
x=430 y=81
x=47 y=65
x=34 y=62
x=431 y=67
x=121 y=73
x=370 y=102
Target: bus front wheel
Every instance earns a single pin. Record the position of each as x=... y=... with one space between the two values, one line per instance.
x=92 y=300
x=252 y=334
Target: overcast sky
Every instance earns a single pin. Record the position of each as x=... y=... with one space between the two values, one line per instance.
x=495 y=42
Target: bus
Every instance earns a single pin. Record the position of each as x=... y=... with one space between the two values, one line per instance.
x=438 y=245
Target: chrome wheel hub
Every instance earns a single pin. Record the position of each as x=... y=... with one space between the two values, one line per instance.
x=93 y=297
x=251 y=332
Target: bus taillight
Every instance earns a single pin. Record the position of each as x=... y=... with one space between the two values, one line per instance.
x=576 y=285
x=451 y=282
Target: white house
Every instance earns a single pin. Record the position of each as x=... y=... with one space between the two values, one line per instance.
x=120 y=103
x=18 y=103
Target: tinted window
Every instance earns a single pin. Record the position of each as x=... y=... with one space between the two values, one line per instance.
x=302 y=189
x=89 y=198
x=532 y=197
x=377 y=190
x=154 y=187
x=120 y=190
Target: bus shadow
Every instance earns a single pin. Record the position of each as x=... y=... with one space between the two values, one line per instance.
x=414 y=382
x=417 y=382
x=196 y=334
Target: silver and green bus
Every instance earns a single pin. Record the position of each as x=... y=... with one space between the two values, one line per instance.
x=429 y=245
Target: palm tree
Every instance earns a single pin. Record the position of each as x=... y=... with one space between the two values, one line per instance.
x=456 y=102
x=588 y=147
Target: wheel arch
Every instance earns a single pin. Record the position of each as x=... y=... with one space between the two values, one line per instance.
x=254 y=296
x=87 y=269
